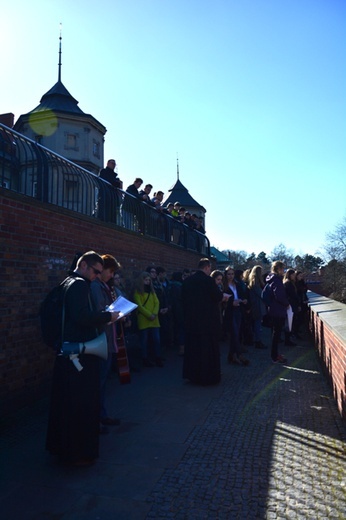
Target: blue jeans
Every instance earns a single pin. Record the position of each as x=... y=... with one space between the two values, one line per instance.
x=234 y=345
x=257 y=329
x=155 y=335
x=278 y=325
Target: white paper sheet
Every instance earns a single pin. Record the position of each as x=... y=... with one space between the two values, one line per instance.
x=123 y=306
x=289 y=317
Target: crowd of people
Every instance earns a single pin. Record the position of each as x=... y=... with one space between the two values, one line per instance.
x=176 y=210
x=191 y=311
x=131 y=216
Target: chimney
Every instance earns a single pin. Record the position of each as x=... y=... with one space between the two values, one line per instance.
x=7 y=119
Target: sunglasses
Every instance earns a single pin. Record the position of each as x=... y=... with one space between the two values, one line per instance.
x=96 y=271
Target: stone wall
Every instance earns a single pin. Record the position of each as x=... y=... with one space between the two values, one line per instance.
x=37 y=244
x=328 y=327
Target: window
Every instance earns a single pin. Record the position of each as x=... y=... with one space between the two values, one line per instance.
x=96 y=148
x=71 y=141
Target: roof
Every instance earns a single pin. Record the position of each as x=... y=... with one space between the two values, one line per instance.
x=220 y=257
x=178 y=193
x=58 y=99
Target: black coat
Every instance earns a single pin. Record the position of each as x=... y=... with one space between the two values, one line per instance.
x=82 y=321
x=201 y=298
x=292 y=296
x=73 y=426
x=110 y=176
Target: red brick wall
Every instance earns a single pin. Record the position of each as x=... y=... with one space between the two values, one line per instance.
x=37 y=244
x=331 y=348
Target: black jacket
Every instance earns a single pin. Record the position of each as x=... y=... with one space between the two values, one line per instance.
x=81 y=320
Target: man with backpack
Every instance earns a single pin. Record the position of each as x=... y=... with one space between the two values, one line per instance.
x=73 y=427
x=276 y=299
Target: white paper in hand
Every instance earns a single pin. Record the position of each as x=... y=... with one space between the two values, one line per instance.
x=123 y=306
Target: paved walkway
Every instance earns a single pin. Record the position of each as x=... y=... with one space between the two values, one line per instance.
x=267 y=443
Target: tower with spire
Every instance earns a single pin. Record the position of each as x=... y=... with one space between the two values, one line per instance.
x=61 y=126
x=178 y=193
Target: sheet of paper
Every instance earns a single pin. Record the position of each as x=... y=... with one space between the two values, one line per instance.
x=123 y=306
x=289 y=317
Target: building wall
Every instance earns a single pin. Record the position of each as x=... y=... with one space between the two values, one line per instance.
x=78 y=139
x=328 y=327
x=37 y=244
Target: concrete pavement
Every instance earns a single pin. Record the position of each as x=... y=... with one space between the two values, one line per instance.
x=267 y=443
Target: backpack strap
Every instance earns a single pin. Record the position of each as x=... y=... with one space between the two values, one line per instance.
x=66 y=283
x=146 y=300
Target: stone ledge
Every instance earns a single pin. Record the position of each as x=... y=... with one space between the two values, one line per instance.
x=331 y=312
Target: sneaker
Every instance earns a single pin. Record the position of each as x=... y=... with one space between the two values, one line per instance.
x=280 y=359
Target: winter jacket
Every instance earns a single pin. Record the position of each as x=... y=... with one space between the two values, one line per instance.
x=279 y=304
x=148 y=304
x=292 y=296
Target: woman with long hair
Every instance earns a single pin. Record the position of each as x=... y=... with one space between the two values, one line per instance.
x=302 y=315
x=232 y=318
x=218 y=278
x=293 y=299
x=147 y=318
x=258 y=309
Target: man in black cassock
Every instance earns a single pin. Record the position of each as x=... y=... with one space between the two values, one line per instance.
x=201 y=298
x=74 y=418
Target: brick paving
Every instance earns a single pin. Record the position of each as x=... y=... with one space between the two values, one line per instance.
x=267 y=443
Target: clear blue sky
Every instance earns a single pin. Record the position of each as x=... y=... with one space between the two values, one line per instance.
x=250 y=94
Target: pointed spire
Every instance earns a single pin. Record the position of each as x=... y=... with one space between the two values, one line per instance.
x=59 y=66
x=177 y=167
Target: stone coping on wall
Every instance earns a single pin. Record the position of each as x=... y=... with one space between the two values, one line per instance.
x=331 y=312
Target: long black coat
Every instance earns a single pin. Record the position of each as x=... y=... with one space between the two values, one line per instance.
x=201 y=298
x=73 y=427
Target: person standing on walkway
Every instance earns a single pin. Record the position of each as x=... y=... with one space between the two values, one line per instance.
x=257 y=306
x=232 y=319
x=147 y=318
x=102 y=298
x=289 y=282
x=277 y=308
x=74 y=419
x=201 y=297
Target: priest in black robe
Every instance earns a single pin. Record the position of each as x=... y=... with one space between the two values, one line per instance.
x=201 y=298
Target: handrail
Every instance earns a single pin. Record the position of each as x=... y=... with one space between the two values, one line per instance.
x=31 y=169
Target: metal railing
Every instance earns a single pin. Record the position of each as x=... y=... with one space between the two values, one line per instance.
x=31 y=169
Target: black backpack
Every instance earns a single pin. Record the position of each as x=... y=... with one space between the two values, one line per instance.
x=267 y=294
x=52 y=314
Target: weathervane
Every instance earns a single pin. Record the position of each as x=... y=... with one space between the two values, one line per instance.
x=59 y=69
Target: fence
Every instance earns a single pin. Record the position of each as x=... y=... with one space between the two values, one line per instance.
x=29 y=168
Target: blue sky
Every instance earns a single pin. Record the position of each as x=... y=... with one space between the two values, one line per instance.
x=250 y=94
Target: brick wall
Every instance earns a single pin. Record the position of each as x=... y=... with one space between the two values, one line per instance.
x=327 y=324
x=37 y=244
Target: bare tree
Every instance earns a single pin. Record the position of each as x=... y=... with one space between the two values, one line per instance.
x=334 y=274
x=280 y=252
x=335 y=246
x=237 y=259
